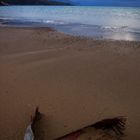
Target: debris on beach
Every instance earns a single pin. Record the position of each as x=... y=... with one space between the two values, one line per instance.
x=29 y=133
x=107 y=129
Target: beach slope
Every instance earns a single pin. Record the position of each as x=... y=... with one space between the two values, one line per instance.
x=75 y=81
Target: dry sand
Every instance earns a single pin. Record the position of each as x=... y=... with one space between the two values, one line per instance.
x=75 y=81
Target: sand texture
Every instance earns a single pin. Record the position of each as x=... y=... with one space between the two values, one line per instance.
x=75 y=81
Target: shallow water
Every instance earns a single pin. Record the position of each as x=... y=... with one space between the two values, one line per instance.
x=118 y=23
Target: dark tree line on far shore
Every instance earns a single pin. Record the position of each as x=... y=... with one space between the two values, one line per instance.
x=32 y=2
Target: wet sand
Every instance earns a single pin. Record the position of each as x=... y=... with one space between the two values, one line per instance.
x=75 y=81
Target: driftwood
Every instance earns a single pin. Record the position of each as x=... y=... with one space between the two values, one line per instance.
x=115 y=125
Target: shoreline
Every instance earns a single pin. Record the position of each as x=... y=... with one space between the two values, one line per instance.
x=67 y=34
x=75 y=81
x=98 y=32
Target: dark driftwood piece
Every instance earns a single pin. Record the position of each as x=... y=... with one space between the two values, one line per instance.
x=115 y=125
x=35 y=119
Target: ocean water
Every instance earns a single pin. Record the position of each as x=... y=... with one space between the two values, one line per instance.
x=119 y=23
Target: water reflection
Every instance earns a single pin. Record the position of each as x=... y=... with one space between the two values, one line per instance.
x=120 y=36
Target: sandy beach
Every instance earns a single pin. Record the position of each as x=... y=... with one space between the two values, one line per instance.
x=75 y=81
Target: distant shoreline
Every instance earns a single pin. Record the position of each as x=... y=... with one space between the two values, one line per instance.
x=125 y=6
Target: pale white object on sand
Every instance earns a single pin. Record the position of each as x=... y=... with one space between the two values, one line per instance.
x=29 y=133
